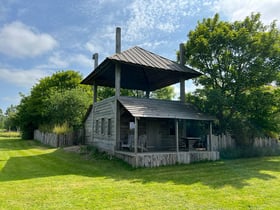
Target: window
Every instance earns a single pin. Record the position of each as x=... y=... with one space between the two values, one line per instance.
x=109 y=131
x=96 y=126
x=171 y=128
x=102 y=125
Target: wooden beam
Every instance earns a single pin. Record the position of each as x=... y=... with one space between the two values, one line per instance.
x=182 y=91
x=118 y=66
x=94 y=93
x=182 y=81
x=117 y=80
x=147 y=94
x=136 y=141
x=210 y=136
x=135 y=135
x=177 y=138
x=95 y=58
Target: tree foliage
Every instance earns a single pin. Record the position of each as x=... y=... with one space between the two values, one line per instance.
x=163 y=93
x=67 y=106
x=10 y=118
x=2 y=119
x=239 y=60
x=35 y=109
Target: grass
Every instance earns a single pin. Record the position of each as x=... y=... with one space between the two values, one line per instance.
x=9 y=134
x=33 y=176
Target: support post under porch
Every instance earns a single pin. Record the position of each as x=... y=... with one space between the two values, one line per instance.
x=136 y=140
x=210 y=135
x=177 y=139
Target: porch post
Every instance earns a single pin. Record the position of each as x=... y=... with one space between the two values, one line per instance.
x=210 y=136
x=177 y=139
x=94 y=93
x=117 y=88
x=136 y=140
x=118 y=66
x=182 y=81
x=95 y=58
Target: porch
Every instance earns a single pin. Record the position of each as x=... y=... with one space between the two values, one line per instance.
x=155 y=159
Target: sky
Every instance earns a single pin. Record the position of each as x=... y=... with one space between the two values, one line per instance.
x=39 y=38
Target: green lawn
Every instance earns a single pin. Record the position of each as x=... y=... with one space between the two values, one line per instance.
x=33 y=176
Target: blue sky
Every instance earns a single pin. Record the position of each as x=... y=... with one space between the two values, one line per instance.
x=38 y=37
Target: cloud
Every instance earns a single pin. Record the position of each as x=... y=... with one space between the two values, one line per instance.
x=19 y=40
x=63 y=60
x=241 y=8
x=22 y=78
x=158 y=15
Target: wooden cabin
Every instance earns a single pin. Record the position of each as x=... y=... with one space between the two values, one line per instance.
x=142 y=131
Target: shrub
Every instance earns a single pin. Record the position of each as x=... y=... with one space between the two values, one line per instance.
x=62 y=129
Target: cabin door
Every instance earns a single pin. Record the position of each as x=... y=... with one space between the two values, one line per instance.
x=153 y=134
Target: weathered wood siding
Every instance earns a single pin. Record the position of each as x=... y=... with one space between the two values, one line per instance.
x=166 y=158
x=103 y=134
x=89 y=127
x=226 y=141
x=56 y=140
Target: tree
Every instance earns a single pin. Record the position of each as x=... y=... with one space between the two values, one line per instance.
x=2 y=119
x=10 y=118
x=163 y=93
x=33 y=109
x=238 y=60
x=68 y=106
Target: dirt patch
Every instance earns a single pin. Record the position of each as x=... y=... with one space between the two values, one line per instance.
x=76 y=149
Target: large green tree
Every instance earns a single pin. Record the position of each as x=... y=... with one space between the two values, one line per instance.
x=34 y=109
x=68 y=106
x=239 y=61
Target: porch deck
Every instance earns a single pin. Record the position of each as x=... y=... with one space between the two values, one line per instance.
x=163 y=158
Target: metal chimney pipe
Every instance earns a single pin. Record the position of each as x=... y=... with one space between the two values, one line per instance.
x=118 y=40
x=95 y=58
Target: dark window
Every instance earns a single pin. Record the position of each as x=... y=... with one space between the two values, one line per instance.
x=109 y=131
x=96 y=126
x=102 y=125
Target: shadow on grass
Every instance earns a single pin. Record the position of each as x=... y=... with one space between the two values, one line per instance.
x=14 y=143
x=235 y=173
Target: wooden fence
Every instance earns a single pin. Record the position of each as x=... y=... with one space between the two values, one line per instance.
x=60 y=140
x=226 y=141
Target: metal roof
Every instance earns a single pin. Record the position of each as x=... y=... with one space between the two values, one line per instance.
x=140 y=70
x=154 y=108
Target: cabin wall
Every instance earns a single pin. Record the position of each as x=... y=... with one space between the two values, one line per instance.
x=88 y=124
x=103 y=127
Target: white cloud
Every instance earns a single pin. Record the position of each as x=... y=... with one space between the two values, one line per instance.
x=19 y=40
x=238 y=10
x=81 y=60
x=164 y=16
x=57 y=60
x=22 y=78
x=62 y=60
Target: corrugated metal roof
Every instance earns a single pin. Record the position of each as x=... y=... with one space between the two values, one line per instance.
x=153 y=108
x=139 y=56
x=140 y=70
